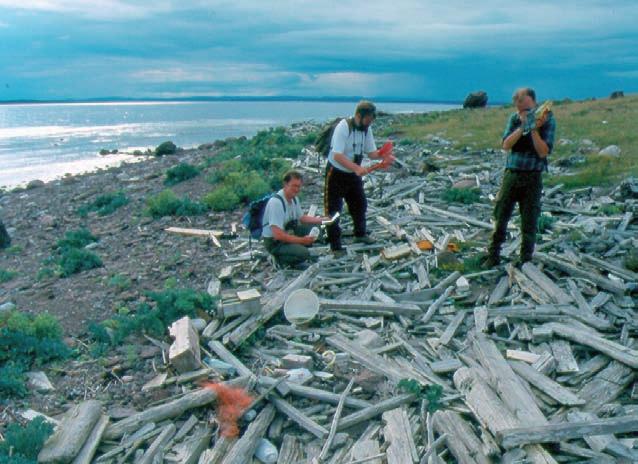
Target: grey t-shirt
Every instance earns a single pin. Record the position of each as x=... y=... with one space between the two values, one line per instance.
x=276 y=215
x=350 y=144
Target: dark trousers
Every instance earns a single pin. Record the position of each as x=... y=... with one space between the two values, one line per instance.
x=289 y=254
x=524 y=188
x=341 y=186
x=5 y=240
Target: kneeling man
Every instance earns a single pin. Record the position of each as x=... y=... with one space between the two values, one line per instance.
x=286 y=231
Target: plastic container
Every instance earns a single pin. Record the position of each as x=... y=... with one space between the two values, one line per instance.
x=266 y=452
x=314 y=232
x=301 y=306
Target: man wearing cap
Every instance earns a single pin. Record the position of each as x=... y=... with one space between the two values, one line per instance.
x=529 y=139
x=286 y=230
x=352 y=139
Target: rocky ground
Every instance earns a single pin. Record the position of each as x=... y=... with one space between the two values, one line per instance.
x=137 y=248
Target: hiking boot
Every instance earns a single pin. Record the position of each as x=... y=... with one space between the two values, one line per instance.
x=490 y=261
x=366 y=239
x=339 y=252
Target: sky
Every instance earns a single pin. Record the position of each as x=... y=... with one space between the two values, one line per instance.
x=407 y=49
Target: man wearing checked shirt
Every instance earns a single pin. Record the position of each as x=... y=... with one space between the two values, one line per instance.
x=522 y=181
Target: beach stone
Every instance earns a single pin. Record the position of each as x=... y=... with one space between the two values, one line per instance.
x=7 y=307
x=198 y=324
x=48 y=221
x=476 y=100
x=611 y=150
x=38 y=381
x=36 y=183
x=617 y=94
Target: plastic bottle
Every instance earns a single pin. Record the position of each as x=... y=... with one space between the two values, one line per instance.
x=314 y=232
x=266 y=452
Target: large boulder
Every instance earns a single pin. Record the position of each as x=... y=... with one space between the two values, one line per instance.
x=617 y=94
x=476 y=100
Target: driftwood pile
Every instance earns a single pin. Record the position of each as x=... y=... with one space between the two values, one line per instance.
x=536 y=364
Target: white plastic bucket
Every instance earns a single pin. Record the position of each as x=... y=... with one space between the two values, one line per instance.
x=301 y=306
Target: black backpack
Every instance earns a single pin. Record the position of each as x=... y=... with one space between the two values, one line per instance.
x=324 y=139
x=255 y=214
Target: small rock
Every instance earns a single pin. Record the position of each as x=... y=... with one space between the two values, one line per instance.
x=611 y=150
x=38 y=381
x=369 y=339
x=198 y=324
x=7 y=307
x=48 y=221
x=118 y=413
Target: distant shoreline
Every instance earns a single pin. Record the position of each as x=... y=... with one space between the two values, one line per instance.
x=233 y=99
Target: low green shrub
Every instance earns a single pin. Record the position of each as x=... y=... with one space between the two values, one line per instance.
x=6 y=275
x=105 y=204
x=166 y=203
x=545 y=222
x=165 y=308
x=119 y=281
x=221 y=199
x=76 y=239
x=23 y=443
x=166 y=148
x=180 y=173
x=465 y=196
x=74 y=260
x=27 y=341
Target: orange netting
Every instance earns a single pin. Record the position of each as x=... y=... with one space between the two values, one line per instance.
x=231 y=404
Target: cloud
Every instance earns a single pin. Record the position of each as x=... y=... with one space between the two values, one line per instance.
x=95 y=9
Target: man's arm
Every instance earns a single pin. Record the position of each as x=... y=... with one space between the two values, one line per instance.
x=283 y=236
x=317 y=220
x=346 y=163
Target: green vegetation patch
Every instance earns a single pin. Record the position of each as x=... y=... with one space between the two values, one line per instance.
x=180 y=173
x=105 y=204
x=71 y=256
x=23 y=443
x=164 y=308
x=631 y=261
x=27 y=341
x=166 y=203
x=6 y=275
x=166 y=148
x=465 y=196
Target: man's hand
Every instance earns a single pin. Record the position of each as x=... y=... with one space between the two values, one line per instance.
x=360 y=171
x=307 y=240
x=542 y=120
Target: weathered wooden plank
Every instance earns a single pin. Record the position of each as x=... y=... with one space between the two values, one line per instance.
x=218 y=452
x=359 y=307
x=335 y=420
x=158 y=413
x=452 y=327
x=553 y=433
x=500 y=290
x=194 y=232
x=315 y=393
x=565 y=361
x=158 y=444
x=225 y=355
x=546 y=385
x=398 y=434
x=290 y=451
x=602 y=282
x=612 y=349
x=554 y=291
x=244 y=448
x=367 y=451
x=299 y=417
x=184 y=353
x=191 y=449
x=460 y=439
x=606 y=386
x=375 y=410
x=69 y=437
x=366 y=357
x=92 y=442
